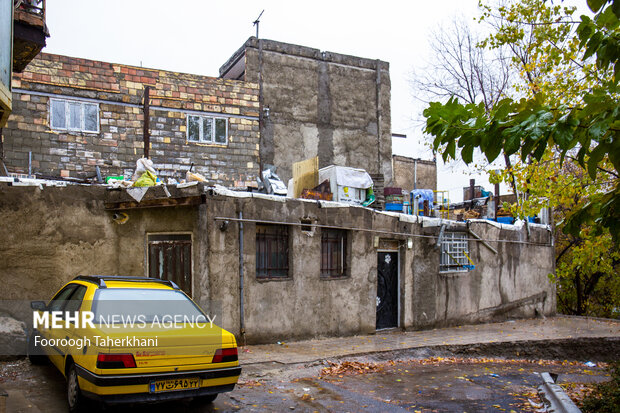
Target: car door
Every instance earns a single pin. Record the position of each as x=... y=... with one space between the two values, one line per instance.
x=74 y=332
x=54 y=335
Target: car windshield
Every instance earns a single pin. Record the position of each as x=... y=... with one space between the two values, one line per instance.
x=116 y=305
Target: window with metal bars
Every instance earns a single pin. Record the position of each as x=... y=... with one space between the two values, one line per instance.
x=333 y=253
x=170 y=258
x=272 y=251
x=454 y=252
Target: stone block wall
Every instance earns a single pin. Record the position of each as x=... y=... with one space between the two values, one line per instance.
x=119 y=90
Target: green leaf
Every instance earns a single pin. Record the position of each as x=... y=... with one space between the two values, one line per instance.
x=581 y=155
x=467 y=153
x=585 y=29
x=607 y=19
x=540 y=149
x=595 y=5
x=615 y=6
x=450 y=150
x=512 y=143
x=494 y=148
x=593 y=44
x=595 y=158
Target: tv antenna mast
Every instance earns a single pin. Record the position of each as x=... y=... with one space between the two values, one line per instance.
x=257 y=22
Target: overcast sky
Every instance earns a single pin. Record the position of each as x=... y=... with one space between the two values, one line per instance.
x=199 y=36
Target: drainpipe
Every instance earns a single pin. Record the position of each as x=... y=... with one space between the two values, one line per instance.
x=415 y=174
x=378 y=109
x=261 y=106
x=241 y=300
x=147 y=116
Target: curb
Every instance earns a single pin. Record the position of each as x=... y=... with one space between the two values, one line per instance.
x=597 y=349
x=556 y=401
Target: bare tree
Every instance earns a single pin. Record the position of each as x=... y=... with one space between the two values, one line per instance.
x=462 y=69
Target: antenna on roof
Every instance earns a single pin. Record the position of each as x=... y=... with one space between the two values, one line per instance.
x=257 y=22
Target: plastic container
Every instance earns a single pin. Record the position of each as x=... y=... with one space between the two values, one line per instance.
x=506 y=220
x=394 y=207
x=347 y=184
x=113 y=178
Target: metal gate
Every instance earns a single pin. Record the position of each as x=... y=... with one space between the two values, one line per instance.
x=170 y=258
x=387 y=290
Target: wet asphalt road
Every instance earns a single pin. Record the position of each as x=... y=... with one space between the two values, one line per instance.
x=427 y=386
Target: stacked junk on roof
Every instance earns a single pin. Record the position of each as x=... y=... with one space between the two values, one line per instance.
x=332 y=183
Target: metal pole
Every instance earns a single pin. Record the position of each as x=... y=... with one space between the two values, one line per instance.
x=496 y=200
x=257 y=22
x=378 y=109
x=241 y=278
x=146 y=133
x=374 y=231
x=472 y=183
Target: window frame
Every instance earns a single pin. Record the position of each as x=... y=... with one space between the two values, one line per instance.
x=57 y=303
x=201 y=139
x=454 y=252
x=266 y=236
x=67 y=115
x=337 y=238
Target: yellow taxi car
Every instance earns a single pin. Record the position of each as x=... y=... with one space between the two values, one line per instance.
x=132 y=339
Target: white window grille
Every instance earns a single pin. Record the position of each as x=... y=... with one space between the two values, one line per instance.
x=74 y=115
x=207 y=129
x=454 y=252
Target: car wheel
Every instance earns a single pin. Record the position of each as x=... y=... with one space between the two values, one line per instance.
x=74 y=396
x=36 y=355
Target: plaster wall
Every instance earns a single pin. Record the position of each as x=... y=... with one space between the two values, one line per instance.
x=320 y=103
x=512 y=283
x=303 y=304
x=51 y=235
x=412 y=173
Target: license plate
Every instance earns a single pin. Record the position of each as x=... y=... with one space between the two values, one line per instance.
x=175 y=384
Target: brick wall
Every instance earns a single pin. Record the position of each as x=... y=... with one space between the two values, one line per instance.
x=118 y=90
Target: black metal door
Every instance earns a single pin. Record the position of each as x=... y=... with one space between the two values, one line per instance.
x=387 y=290
x=170 y=258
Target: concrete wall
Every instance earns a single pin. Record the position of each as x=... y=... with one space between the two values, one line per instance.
x=51 y=235
x=119 y=89
x=320 y=103
x=410 y=173
x=302 y=305
x=512 y=283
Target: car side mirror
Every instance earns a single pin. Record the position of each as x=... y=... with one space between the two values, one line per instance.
x=38 y=305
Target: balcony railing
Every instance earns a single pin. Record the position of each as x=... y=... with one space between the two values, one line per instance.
x=31 y=12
